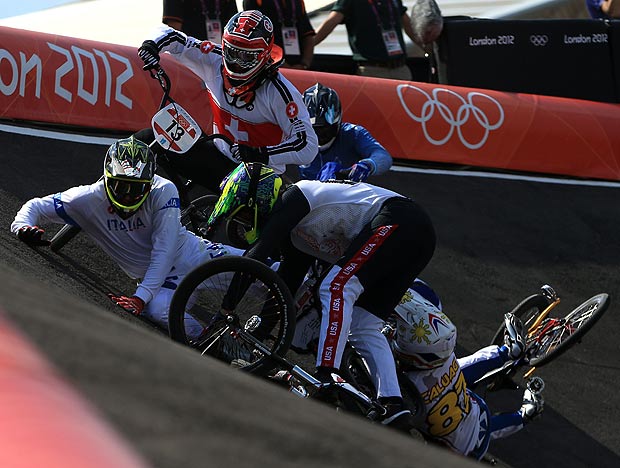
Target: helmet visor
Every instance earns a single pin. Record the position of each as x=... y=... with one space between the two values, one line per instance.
x=127 y=194
x=325 y=133
x=240 y=60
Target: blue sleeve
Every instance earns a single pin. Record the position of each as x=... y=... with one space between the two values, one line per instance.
x=482 y=361
x=367 y=147
x=352 y=144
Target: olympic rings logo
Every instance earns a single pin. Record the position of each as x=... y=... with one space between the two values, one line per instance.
x=539 y=40
x=467 y=109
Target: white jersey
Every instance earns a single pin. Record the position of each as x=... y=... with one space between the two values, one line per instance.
x=338 y=212
x=276 y=120
x=453 y=414
x=147 y=246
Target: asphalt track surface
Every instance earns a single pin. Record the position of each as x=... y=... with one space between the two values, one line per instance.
x=499 y=240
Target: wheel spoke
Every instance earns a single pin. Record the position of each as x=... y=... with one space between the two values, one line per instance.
x=222 y=296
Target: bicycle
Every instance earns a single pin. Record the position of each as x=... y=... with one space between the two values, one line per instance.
x=262 y=324
x=547 y=337
x=175 y=129
x=354 y=391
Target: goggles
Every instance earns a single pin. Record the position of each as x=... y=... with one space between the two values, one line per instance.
x=127 y=194
x=244 y=58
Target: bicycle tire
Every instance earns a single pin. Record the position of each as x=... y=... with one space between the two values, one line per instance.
x=413 y=400
x=235 y=234
x=195 y=216
x=265 y=296
x=353 y=370
x=63 y=236
x=549 y=342
x=526 y=310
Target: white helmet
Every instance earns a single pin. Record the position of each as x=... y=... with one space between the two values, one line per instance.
x=425 y=336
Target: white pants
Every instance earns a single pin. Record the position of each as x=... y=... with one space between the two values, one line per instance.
x=365 y=335
x=342 y=320
x=194 y=255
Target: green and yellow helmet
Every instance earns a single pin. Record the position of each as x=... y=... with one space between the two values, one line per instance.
x=248 y=194
x=128 y=171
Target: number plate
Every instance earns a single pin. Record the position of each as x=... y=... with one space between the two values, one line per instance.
x=175 y=129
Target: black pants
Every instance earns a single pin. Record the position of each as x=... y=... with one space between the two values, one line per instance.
x=204 y=164
x=401 y=239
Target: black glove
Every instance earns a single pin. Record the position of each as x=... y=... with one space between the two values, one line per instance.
x=248 y=154
x=149 y=53
x=32 y=235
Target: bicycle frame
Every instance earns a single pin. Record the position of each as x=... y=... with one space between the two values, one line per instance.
x=554 y=299
x=308 y=386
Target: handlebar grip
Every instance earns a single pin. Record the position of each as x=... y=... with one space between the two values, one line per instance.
x=220 y=136
x=158 y=73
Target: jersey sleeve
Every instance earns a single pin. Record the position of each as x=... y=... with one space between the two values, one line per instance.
x=202 y=57
x=369 y=148
x=166 y=221
x=291 y=210
x=173 y=10
x=53 y=208
x=300 y=144
x=342 y=6
x=303 y=21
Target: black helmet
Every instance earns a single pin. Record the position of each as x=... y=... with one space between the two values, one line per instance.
x=325 y=112
x=128 y=171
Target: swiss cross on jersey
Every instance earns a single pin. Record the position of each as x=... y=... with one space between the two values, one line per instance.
x=291 y=110
x=246 y=132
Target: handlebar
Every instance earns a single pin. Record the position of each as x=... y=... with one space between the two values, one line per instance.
x=159 y=74
x=219 y=136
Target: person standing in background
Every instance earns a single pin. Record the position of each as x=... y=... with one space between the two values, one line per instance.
x=603 y=9
x=375 y=31
x=202 y=19
x=292 y=29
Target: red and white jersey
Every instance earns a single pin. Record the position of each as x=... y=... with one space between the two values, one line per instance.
x=276 y=119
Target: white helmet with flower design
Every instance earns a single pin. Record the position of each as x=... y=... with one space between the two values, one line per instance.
x=425 y=336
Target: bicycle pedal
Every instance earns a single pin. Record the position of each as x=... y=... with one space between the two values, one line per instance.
x=535 y=385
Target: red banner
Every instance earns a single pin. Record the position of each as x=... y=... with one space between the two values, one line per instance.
x=77 y=82
x=64 y=80
x=482 y=128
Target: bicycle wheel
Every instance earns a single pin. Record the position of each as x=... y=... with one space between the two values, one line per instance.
x=63 y=236
x=353 y=370
x=412 y=399
x=554 y=336
x=527 y=310
x=235 y=234
x=195 y=216
x=263 y=317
